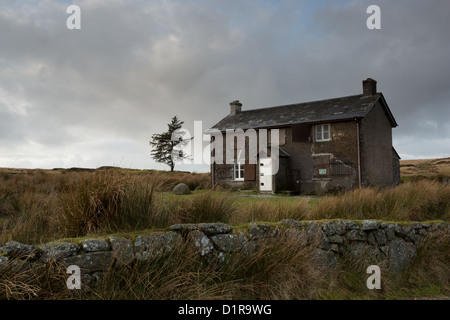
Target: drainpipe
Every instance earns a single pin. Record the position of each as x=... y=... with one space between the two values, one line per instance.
x=213 y=174
x=359 y=153
x=213 y=166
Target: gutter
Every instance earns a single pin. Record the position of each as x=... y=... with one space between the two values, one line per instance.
x=349 y=117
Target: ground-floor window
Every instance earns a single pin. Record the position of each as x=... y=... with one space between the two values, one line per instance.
x=238 y=172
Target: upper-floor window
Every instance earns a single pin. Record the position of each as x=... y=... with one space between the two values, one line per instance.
x=322 y=132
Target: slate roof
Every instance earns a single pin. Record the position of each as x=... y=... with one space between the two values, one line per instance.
x=336 y=109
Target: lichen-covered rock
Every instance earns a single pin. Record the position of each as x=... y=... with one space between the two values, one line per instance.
x=315 y=235
x=313 y=230
x=229 y=242
x=14 y=249
x=371 y=239
x=3 y=262
x=220 y=257
x=325 y=244
x=293 y=223
x=181 y=189
x=439 y=226
x=416 y=226
x=411 y=236
x=334 y=247
x=94 y=245
x=423 y=232
x=377 y=237
x=261 y=231
x=297 y=235
x=404 y=230
x=336 y=239
x=385 y=250
x=90 y=262
x=390 y=231
x=380 y=237
x=183 y=228
x=122 y=250
x=351 y=225
x=214 y=228
x=370 y=225
x=203 y=244
x=58 y=250
x=356 y=235
x=250 y=248
x=334 y=228
x=325 y=258
x=365 y=253
x=401 y=255
x=155 y=245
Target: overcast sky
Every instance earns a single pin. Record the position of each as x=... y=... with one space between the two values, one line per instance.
x=93 y=97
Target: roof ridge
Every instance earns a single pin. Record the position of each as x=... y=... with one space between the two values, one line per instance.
x=333 y=109
x=299 y=103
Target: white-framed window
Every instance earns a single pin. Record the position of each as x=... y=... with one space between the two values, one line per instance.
x=238 y=171
x=322 y=132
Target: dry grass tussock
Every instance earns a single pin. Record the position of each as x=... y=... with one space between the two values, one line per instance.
x=20 y=282
x=273 y=210
x=415 y=201
x=42 y=206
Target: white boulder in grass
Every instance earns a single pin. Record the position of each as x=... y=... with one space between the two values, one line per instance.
x=181 y=189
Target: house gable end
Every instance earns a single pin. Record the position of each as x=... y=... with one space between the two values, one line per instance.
x=386 y=110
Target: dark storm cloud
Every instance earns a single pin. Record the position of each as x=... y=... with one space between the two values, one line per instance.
x=94 y=96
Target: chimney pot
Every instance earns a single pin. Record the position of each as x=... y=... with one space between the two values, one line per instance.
x=369 y=87
x=235 y=107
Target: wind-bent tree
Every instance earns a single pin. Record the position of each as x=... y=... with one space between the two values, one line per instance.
x=163 y=146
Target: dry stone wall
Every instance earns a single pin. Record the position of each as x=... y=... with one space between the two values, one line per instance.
x=389 y=244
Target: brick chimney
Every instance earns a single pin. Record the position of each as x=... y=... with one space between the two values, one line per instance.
x=235 y=107
x=369 y=87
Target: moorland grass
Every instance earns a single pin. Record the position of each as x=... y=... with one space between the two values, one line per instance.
x=39 y=206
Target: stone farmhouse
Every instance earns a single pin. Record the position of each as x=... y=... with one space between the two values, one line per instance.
x=324 y=146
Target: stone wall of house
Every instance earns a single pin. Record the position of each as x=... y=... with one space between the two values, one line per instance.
x=300 y=172
x=377 y=165
x=339 y=157
x=390 y=245
x=396 y=170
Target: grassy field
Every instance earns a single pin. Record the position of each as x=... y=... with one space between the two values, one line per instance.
x=427 y=167
x=41 y=206
x=38 y=206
